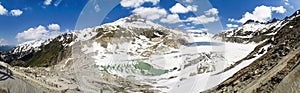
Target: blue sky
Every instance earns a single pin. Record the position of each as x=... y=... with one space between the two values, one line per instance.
x=23 y=20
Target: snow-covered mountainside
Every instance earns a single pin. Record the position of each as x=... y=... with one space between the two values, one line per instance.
x=253 y=31
x=132 y=28
x=136 y=55
x=129 y=55
x=273 y=66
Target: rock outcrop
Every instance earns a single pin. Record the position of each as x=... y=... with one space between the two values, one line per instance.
x=276 y=70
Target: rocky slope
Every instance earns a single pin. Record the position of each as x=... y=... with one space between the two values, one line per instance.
x=128 y=55
x=273 y=71
x=136 y=55
x=133 y=28
x=58 y=64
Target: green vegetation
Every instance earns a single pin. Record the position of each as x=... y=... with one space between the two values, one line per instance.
x=48 y=55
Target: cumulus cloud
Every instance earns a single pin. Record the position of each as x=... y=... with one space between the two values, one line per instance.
x=137 y=3
x=231 y=20
x=3 y=11
x=210 y=16
x=54 y=27
x=172 y=18
x=38 y=33
x=32 y=33
x=179 y=8
x=261 y=14
x=3 y=42
x=231 y=26
x=16 y=12
x=279 y=9
x=212 y=11
x=150 y=13
x=189 y=1
x=47 y=2
x=202 y=19
x=199 y=30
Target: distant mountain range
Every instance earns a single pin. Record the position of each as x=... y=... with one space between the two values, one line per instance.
x=136 y=55
x=277 y=70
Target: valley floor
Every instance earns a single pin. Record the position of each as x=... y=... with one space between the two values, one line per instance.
x=192 y=73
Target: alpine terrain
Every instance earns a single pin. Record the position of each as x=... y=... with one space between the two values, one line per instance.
x=133 y=54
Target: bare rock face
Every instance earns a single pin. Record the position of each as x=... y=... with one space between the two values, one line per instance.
x=290 y=84
x=172 y=43
x=146 y=54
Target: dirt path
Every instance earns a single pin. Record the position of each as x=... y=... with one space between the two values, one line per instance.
x=266 y=77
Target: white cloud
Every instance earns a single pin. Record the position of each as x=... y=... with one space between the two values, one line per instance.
x=279 y=9
x=33 y=33
x=37 y=33
x=137 y=3
x=3 y=42
x=172 y=18
x=57 y=2
x=97 y=8
x=261 y=14
x=232 y=25
x=193 y=8
x=47 y=2
x=202 y=19
x=190 y=27
x=179 y=8
x=210 y=16
x=212 y=11
x=198 y=30
x=16 y=12
x=3 y=11
x=150 y=13
x=181 y=25
x=189 y=1
x=286 y=2
x=231 y=20
x=54 y=27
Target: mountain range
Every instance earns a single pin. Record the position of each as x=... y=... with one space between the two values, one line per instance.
x=136 y=55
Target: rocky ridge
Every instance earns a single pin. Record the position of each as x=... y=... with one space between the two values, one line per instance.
x=269 y=72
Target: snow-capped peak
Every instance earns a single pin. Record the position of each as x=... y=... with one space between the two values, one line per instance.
x=27 y=46
x=134 y=21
